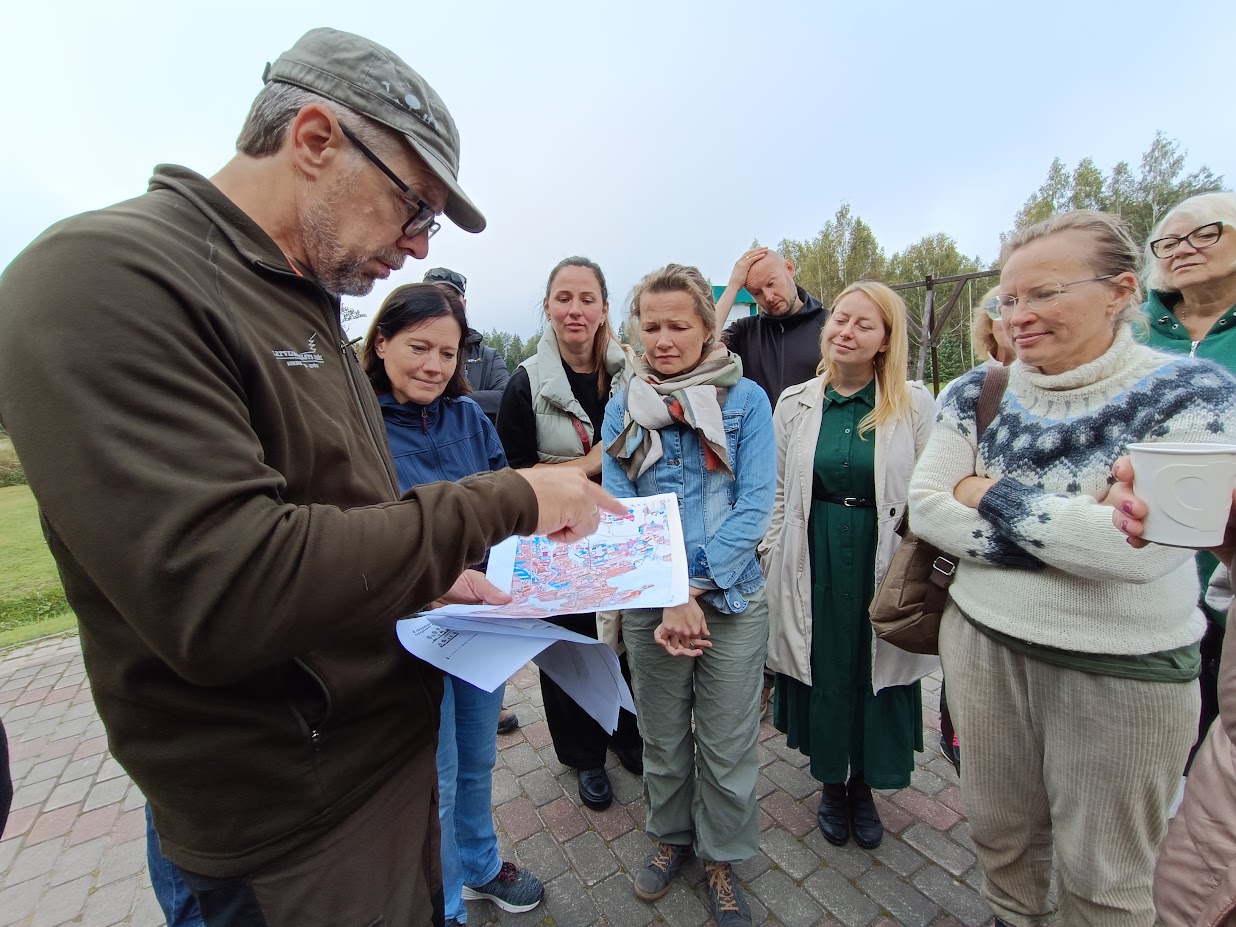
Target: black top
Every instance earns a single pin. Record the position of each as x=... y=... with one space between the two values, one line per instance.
x=517 y=422
x=779 y=351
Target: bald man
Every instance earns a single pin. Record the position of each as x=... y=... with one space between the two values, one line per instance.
x=781 y=345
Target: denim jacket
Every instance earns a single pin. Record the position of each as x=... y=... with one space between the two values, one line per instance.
x=723 y=519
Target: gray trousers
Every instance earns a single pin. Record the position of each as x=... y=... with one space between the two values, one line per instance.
x=699 y=783
x=1054 y=757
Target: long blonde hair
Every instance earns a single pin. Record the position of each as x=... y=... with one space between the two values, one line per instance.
x=892 y=393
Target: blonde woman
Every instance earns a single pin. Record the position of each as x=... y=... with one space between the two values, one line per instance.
x=847 y=442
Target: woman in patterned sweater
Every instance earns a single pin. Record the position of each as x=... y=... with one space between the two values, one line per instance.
x=1056 y=634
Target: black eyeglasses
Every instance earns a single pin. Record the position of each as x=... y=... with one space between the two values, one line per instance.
x=423 y=219
x=1201 y=237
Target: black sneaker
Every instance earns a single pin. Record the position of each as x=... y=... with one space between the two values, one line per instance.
x=512 y=889
x=654 y=877
x=729 y=902
x=951 y=752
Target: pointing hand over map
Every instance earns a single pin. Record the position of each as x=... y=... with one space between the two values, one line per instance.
x=570 y=504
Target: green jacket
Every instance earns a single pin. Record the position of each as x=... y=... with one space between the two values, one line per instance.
x=1167 y=334
x=214 y=481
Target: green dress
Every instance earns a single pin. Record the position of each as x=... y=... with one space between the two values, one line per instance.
x=838 y=722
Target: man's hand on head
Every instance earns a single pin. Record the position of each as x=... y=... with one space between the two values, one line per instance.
x=738 y=276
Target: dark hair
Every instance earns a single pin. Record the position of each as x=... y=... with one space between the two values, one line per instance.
x=605 y=334
x=406 y=307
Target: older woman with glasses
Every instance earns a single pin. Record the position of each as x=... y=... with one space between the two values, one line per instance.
x=1191 y=308
x=1057 y=635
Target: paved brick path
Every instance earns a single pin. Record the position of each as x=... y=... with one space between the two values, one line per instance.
x=74 y=849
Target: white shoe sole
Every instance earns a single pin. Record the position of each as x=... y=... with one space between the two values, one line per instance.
x=471 y=894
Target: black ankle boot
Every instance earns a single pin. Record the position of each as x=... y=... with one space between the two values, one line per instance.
x=833 y=816
x=864 y=819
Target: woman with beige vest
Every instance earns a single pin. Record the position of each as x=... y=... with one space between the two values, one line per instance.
x=551 y=413
x=846 y=445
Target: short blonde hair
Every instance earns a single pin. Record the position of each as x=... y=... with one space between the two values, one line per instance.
x=1202 y=209
x=679 y=278
x=983 y=329
x=892 y=393
x=1114 y=252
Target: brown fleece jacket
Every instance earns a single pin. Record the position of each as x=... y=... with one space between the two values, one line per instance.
x=215 y=485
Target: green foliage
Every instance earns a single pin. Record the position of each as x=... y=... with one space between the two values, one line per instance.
x=30 y=591
x=511 y=348
x=844 y=252
x=1142 y=200
x=11 y=472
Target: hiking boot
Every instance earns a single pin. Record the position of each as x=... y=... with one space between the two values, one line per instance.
x=729 y=902
x=653 y=879
x=512 y=889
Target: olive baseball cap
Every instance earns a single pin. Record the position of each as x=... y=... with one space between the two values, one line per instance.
x=375 y=82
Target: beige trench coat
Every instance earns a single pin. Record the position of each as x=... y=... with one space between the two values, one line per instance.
x=784 y=550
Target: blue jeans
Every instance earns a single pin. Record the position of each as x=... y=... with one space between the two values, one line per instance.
x=178 y=904
x=467 y=751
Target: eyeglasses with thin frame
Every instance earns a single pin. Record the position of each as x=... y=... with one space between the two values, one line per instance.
x=424 y=219
x=1200 y=238
x=1041 y=298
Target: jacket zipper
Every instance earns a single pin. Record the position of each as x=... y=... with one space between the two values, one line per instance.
x=424 y=421
x=1193 y=350
x=315 y=734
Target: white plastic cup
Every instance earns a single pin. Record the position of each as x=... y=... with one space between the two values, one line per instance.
x=1187 y=489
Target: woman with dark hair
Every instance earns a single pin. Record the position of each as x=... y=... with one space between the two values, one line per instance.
x=412 y=356
x=551 y=413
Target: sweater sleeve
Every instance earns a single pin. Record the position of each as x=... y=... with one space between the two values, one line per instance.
x=129 y=412
x=949 y=457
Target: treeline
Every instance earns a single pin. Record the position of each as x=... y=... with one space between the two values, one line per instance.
x=847 y=249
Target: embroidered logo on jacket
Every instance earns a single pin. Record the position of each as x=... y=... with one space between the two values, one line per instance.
x=310 y=358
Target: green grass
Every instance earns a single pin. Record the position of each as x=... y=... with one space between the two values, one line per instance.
x=31 y=600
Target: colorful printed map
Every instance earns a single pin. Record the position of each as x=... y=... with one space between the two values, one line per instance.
x=635 y=560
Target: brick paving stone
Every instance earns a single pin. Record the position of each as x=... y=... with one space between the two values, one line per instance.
x=850 y=860
x=79 y=860
x=85 y=766
x=909 y=907
x=959 y=899
x=505 y=787
x=796 y=783
x=894 y=818
x=568 y=903
x=34 y=794
x=32 y=696
x=591 y=860
x=45 y=769
x=110 y=791
x=765 y=821
x=67 y=793
x=927 y=782
x=941 y=850
x=961 y=833
x=63 y=904
x=537 y=734
x=35 y=861
x=124 y=860
x=952 y=797
x=542 y=855
x=925 y=808
x=52 y=824
x=763 y=786
x=631 y=850
x=783 y=899
x=791 y=814
x=110 y=770
x=789 y=853
x=521 y=759
x=850 y=906
x=134 y=800
x=95 y=823
x=20 y=820
x=74 y=728
x=518 y=819
x=18 y=901
x=609 y=824
x=112 y=903
x=563 y=819
x=59 y=748
x=750 y=870
x=898 y=857
x=618 y=903
x=681 y=907
x=129 y=825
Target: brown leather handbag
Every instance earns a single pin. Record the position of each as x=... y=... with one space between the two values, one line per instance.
x=907 y=607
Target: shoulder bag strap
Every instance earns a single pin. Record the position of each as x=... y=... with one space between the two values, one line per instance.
x=994 y=385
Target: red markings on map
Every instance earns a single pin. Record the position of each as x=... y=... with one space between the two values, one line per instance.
x=596 y=573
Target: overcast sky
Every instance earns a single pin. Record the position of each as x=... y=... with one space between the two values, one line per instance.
x=642 y=133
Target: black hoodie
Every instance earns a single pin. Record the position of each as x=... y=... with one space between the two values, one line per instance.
x=779 y=351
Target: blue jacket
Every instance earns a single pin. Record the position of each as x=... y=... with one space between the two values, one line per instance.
x=447 y=439
x=723 y=519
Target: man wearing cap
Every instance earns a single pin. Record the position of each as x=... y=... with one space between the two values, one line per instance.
x=214 y=484
x=484 y=366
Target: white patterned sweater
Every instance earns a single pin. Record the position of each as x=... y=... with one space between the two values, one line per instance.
x=1040 y=558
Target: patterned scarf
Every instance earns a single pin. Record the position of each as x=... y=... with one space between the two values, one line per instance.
x=693 y=398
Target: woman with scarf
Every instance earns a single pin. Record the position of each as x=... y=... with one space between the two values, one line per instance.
x=690 y=424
